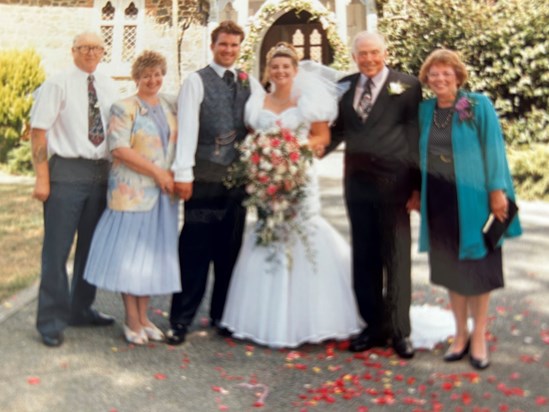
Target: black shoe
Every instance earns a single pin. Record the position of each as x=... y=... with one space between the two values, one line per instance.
x=221 y=330
x=176 y=335
x=53 y=341
x=365 y=341
x=403 y=348
x=479 y=364
x=457 y=356
x=92 y=317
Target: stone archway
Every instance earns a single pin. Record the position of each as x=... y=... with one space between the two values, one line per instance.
x=304 y=32
x=271 y=12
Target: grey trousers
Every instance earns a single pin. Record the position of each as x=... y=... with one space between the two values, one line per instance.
x=77 y=200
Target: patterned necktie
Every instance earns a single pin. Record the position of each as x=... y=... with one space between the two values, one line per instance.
x=228 y=78
x=365 y=102
x=96 y=133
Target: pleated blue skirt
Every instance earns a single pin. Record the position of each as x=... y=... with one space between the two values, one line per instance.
x=136 y=252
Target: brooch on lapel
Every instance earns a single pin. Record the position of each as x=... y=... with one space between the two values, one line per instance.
x=464 y=108
x=396 y=88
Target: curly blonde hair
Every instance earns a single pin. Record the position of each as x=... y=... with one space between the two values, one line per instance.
x=445 y=57
x=146 y=60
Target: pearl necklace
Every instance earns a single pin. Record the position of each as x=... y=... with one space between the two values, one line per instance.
x=446 y=120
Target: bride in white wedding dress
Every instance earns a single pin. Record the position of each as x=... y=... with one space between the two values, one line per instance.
x=291 y=299
x=303 y=293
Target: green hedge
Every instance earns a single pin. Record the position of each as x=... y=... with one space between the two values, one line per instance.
x=504 y=44
x=529 y=168
x=20 y=75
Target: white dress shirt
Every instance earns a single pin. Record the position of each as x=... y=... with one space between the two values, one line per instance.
x=377 y=84
x=61 y=108
x=188 y=114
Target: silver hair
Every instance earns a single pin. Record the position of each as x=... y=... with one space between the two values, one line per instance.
x=88 y=33
x=369 y=35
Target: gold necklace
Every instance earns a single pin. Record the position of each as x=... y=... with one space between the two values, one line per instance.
x=446 y=120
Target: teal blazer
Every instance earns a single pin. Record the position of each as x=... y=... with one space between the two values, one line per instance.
x=480 y=165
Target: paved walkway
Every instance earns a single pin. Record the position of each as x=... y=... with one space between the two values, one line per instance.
x=95 y=370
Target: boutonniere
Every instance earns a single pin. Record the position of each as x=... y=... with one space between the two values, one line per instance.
x=96 y=105
x=464 y=108
x=396 y=88
x=244 y=79
x=143 y=110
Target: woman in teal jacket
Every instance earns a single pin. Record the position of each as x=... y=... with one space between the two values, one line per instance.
x=465 y=177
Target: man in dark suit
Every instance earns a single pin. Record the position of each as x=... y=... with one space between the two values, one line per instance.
x=378 y=122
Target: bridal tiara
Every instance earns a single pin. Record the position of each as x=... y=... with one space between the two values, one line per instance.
x=282 y=50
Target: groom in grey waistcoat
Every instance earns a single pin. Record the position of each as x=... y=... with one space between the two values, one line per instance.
x=211 y=122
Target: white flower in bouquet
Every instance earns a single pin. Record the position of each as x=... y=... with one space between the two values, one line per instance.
x=265 y=165
x=250 y=189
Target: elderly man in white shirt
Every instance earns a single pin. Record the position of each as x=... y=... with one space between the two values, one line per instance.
x=211 y=120
x=71 y=163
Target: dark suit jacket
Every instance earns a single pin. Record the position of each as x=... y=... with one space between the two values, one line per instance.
x=382 y=153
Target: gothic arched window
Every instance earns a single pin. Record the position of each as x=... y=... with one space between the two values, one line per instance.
x=119 y=24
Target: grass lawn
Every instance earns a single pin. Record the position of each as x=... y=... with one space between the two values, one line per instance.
x=20 y=238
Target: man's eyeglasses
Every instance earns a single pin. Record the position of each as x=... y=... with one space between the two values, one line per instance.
x=87 y=49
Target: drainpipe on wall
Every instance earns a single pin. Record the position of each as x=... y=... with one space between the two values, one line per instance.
x=371 y=14
x=175 y=28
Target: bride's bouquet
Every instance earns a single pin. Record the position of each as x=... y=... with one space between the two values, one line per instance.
x=273 y=169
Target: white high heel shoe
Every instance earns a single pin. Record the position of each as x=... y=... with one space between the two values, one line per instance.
x=153 y=333
x=137 y=338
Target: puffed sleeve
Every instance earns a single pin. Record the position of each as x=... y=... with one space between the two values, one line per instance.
x=317 y=91
x=120 y=126
x=253 y=106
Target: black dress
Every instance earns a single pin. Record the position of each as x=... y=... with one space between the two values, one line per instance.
x=470 y=276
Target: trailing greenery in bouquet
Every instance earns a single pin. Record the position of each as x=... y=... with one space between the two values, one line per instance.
x=273 y=169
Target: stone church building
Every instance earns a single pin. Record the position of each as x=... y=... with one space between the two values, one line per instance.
x=321 y=30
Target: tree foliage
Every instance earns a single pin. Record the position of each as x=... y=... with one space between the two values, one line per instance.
x=504 y=45
x=20 y=75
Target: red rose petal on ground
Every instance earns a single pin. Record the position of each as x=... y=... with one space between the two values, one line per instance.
x=529 y=358
x=230 y=342
x=466 y=398
x=514 y=376
x=160 y=376
x=33 y=380
x=447 y=386
x=541 y=400
x=259 y=405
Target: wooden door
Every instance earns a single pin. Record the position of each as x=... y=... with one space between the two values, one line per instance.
x=305 y=33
